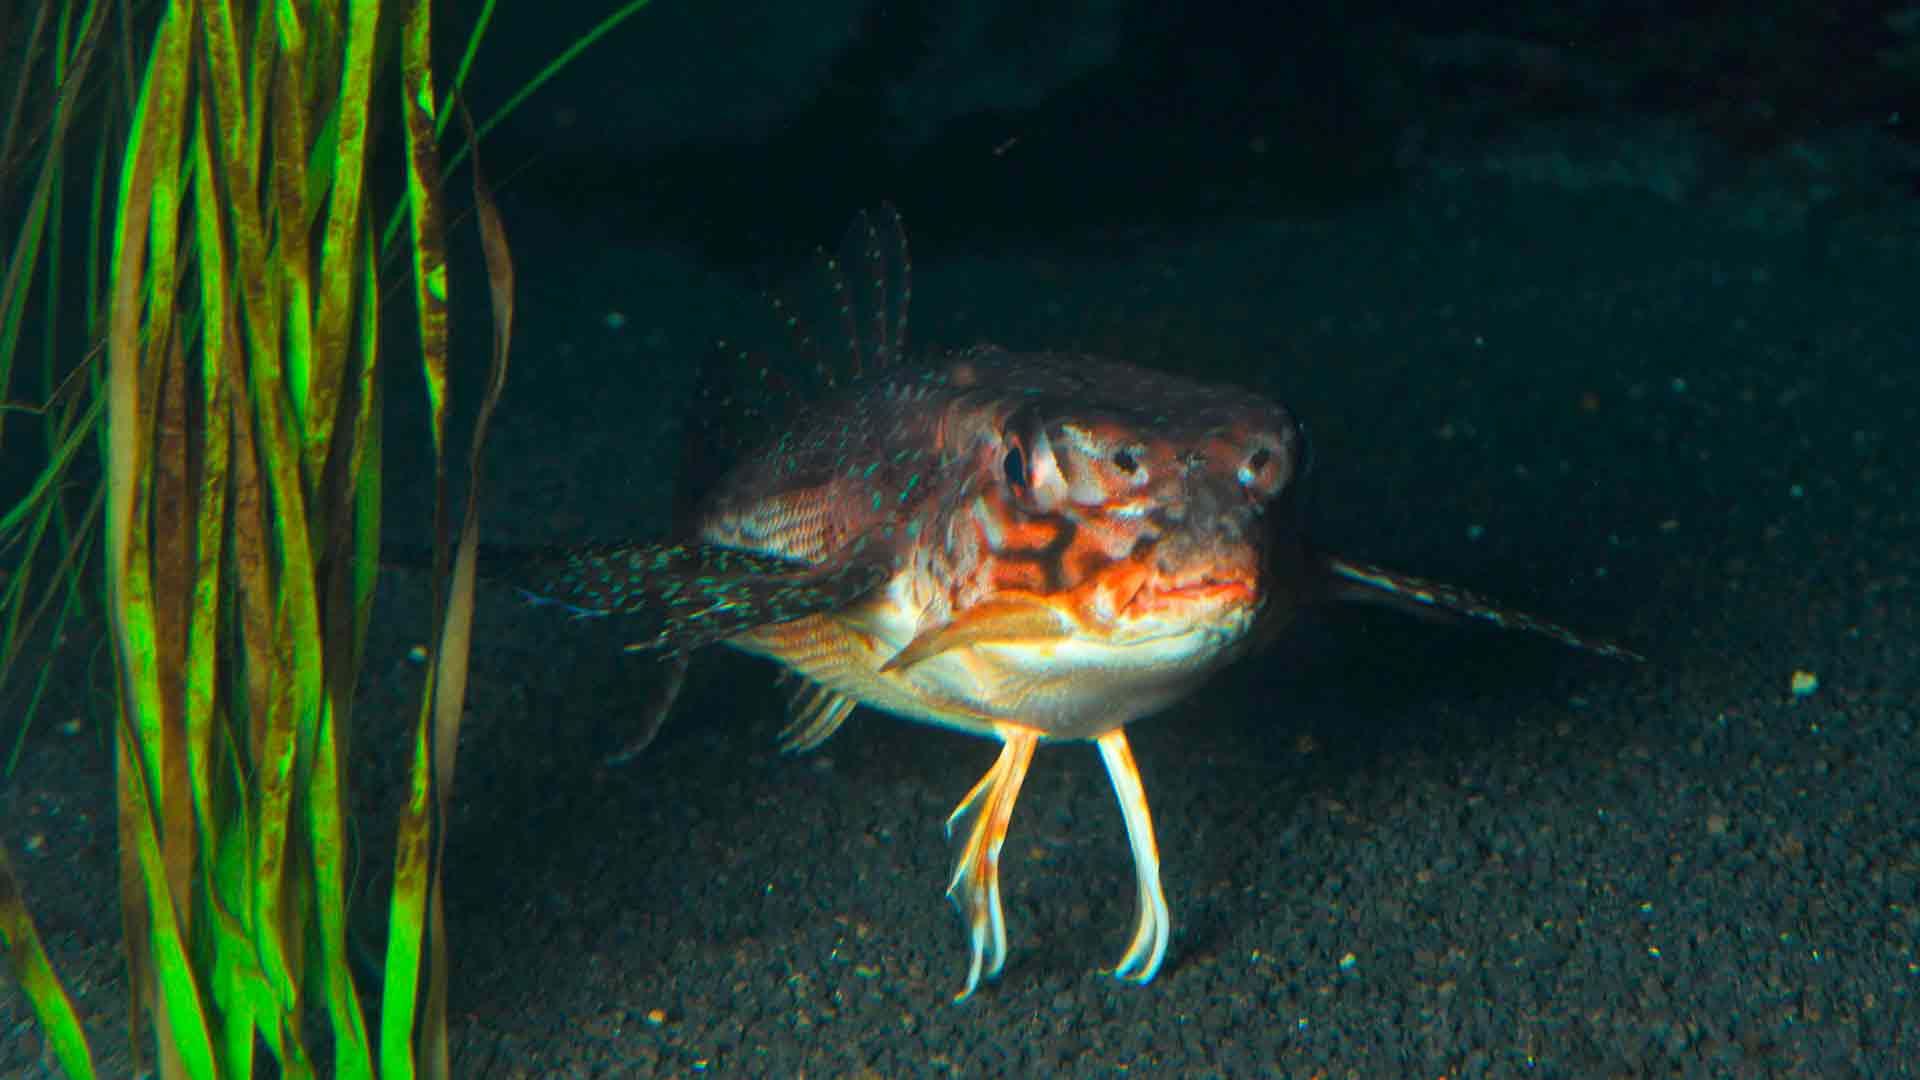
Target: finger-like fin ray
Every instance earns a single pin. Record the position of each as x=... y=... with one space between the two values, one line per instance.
x=1154 y=924
x=815 y=713
x=981 y=821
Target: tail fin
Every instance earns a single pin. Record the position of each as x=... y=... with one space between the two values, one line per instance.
x=1373 y=584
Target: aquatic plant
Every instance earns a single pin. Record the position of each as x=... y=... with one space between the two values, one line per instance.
x=228 y=386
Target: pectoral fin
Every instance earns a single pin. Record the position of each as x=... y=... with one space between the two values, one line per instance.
x=684 y=596
x=1007 y=620
x=1418 y=596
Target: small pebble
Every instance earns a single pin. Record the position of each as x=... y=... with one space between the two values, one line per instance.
x=1805 y=683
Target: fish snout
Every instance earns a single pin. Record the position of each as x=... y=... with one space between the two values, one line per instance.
x=1214 y=549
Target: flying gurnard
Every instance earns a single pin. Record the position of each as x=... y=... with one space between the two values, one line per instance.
x=1029 y=547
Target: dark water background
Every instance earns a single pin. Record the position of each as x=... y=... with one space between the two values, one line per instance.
x=1608 y=310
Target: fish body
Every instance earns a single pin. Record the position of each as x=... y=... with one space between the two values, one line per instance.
x=1023 y=546
x=1067 y=543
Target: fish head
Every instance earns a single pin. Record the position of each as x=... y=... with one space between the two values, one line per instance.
x=1151 y=517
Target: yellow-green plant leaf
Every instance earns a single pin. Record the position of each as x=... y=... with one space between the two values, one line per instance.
x=21 y=944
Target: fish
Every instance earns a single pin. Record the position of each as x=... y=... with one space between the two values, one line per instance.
x=1030 y=547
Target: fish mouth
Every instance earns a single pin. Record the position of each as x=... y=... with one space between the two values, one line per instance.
x=1198 y=593
x=1180 y=622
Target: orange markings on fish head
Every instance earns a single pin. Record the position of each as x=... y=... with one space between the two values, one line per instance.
x=1144 y=502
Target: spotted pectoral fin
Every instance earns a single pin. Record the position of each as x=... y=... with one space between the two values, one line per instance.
x=684 y=596
x=1003 y=620
x=1418 y=596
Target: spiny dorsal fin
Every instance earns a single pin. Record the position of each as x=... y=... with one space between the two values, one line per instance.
x=870 y=295
x=862 y=297
x=1375 y=584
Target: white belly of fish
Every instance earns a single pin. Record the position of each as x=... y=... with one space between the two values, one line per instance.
x=1073 y=687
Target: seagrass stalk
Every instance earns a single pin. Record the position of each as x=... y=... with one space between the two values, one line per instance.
x=234 y=398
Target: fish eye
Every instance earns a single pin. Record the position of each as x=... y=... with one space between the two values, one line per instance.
x=1125 y=461
x=1015 y=465
x=1249 y=473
